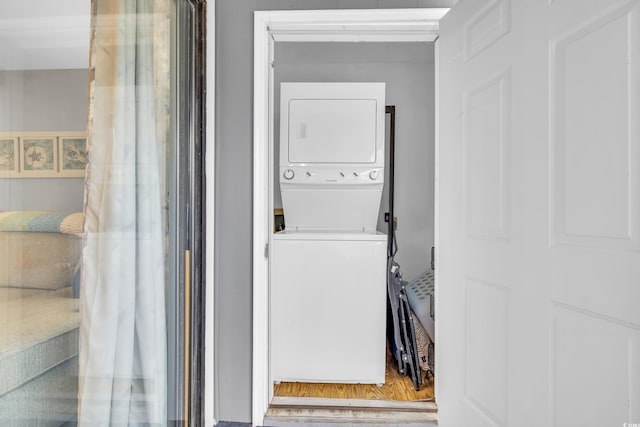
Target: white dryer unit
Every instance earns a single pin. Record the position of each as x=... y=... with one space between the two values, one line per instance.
x=331 y=155
x=328 y=268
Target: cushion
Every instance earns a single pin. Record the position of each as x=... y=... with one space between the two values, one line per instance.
x=38 y=260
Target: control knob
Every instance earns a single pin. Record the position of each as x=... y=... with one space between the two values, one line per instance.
x=373 y=175
x=288 y=174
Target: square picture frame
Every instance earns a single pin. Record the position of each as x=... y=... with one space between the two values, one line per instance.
x=9 y=156
x=73 y=155
x=38 y=155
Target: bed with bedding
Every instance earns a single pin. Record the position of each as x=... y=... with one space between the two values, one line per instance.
x=40 y=255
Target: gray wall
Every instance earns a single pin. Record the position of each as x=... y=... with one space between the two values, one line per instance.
x=42 y=100
x=408 y=71
x=233 y=247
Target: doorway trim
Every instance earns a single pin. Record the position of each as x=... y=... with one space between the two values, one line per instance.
x=370 y=25
x=209 y=33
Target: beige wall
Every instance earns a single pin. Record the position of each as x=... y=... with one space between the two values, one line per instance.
x=42 y=100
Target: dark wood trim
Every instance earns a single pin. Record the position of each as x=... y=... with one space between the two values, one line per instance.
x=198 y=309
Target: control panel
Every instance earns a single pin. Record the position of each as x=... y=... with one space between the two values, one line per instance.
x=349 y=175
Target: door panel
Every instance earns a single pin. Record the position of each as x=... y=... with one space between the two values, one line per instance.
x=539 y=210
x=591 y=111
x=486 y=340
x=485 y=154
x=579 y=342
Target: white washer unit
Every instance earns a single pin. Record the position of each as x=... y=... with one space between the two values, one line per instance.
x=328 y=292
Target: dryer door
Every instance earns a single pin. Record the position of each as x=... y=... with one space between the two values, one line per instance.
x=332 y=130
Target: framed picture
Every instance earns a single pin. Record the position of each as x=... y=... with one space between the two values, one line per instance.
x=38 y=156
x=73 y=155
x=9 y=156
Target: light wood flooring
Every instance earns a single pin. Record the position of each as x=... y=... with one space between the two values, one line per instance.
x=396 y=387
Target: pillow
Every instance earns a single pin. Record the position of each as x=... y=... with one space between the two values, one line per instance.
x=42 y=221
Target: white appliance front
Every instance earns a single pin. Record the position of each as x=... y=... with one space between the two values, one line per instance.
x=331 y=155
x=330 y=209
x=328 y=307
x=331 y=131
x=332 y=123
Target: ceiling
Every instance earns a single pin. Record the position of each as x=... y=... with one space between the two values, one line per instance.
x=44 y=34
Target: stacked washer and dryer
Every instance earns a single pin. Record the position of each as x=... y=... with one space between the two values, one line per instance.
x=328 y=271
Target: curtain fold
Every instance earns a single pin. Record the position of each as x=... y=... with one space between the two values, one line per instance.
x=122 y=355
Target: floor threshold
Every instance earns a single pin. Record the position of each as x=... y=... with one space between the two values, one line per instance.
x=293 y=411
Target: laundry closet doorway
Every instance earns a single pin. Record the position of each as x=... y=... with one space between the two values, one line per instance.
x=353 y=306
x=296 y=29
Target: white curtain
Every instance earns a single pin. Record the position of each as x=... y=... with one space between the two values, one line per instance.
x=123 y=373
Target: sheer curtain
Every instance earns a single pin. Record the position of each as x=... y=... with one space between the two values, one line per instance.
x=123 y=373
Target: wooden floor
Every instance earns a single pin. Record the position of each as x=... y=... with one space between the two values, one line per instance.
x=396 y=387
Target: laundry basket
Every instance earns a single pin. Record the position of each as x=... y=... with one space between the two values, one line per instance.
x=420 y=293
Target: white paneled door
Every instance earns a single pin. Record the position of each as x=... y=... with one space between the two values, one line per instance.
x=539 y=240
